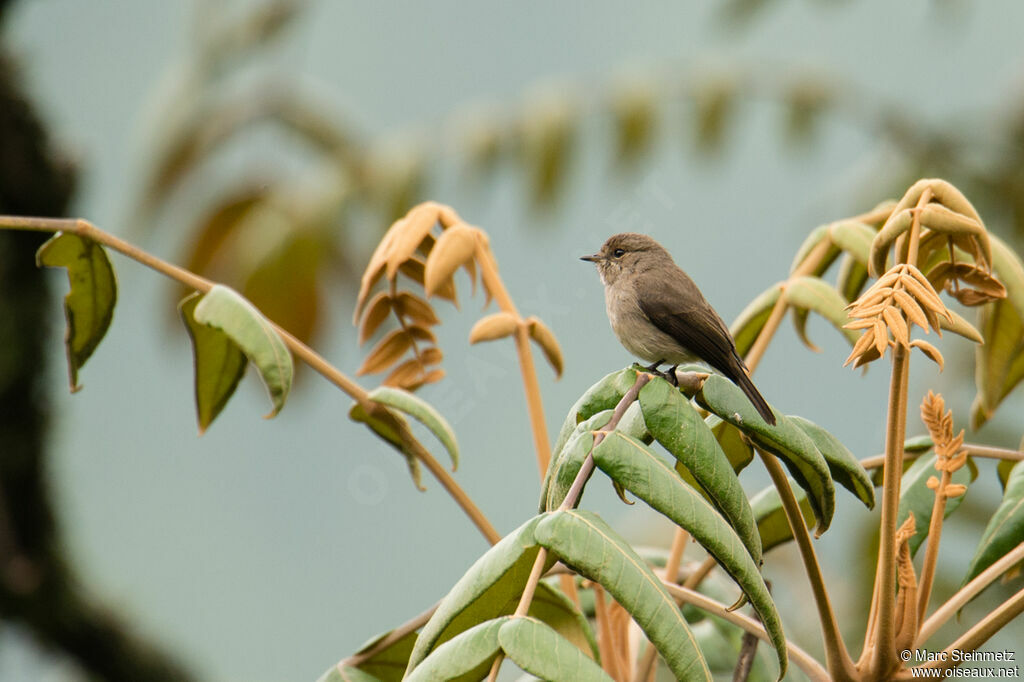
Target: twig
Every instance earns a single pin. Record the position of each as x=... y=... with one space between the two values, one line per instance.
x=798 y=656
x=979 y=634
x=972 y=449
x=387 y=640
x=968 y=592
x=883 y=603
x=837 y=659
x=576 y=489
x=534 y=403
x=87 y=230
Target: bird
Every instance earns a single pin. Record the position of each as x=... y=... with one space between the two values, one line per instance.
x=660 y=316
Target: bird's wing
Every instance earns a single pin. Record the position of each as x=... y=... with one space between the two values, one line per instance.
x=678 y=308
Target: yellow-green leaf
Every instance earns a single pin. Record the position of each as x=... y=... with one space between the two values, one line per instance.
x=89 y=306
x=219 y=364
x=225 y=309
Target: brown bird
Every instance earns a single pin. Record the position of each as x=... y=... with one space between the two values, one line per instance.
x=660 y=316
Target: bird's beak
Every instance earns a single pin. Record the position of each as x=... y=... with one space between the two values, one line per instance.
x=593 y=258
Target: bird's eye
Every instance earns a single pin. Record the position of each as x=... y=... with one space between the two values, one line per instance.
x=618 y=253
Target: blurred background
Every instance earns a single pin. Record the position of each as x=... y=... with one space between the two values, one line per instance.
x=269 y=144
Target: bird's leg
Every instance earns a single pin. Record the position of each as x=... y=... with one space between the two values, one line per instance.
x=653 y=367
x=671 y=376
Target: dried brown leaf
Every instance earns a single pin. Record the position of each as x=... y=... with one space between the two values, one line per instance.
x=387 y=352
x=954 y=490
x=418 y=310
x=925 y=296
x=973 y=297
x=431 y=356
x=415 y=226
x=545 y=338
x=454 y=247
x=866 y=341
x=375 y=269
x=406 y=375
x=376 y=312
x=433 y=376
x=897 y=325
x=931 y=351
x=413 y=268
x=860 y=324
x=420 y=333
x=911 y=309
x=495 y=326
x=881 y=336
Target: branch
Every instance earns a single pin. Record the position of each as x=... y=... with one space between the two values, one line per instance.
x=968 y=592
x=973 y=450
x=979 y=634
x=534 y=403
x=87 y=230
x=576 y=490
x=800 y=658
x=838 y=660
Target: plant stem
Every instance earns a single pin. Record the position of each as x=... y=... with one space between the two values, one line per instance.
x=764 y=337
x=534 y=403
x=384 y=642
x=800 y=658
x=971 y=449
x=645 y=666
x=697 y=577
x=837 y=659
x=968 y=592
x=572 y=497
x=883 y=603
x=979 y=634
x=87 y=230
x=931 y=555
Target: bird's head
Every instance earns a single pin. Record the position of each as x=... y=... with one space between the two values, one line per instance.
x=627 y=253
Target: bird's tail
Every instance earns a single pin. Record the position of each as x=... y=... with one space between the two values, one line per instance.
x=757 y=400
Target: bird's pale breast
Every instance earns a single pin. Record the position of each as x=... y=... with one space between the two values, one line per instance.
x=636 y=332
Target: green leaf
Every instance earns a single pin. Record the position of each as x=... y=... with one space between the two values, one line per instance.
x=813 y=293
x=388 y=664
x=736 y=448
x=749 y=323
x=219 y=364
x=999 y=362
x=677 y=426
x=917 y=497
x=465 y=658
x=1008 y=268
x=845 y=468
x=651 y=479
x=490 y=588
x=585 y=542
x=854 y=238
x=563 y=469
x=555 y=609
x=386 y=424
x=816 y=236
x=225 y=309
x=541 y=651
x=347 y=674
x=1005 y=530
x=89 y=306
x=772 y=523
x=851 y=278
x=421 y=411
x=785 y=439
x=1003 y=470
x=604 y=395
